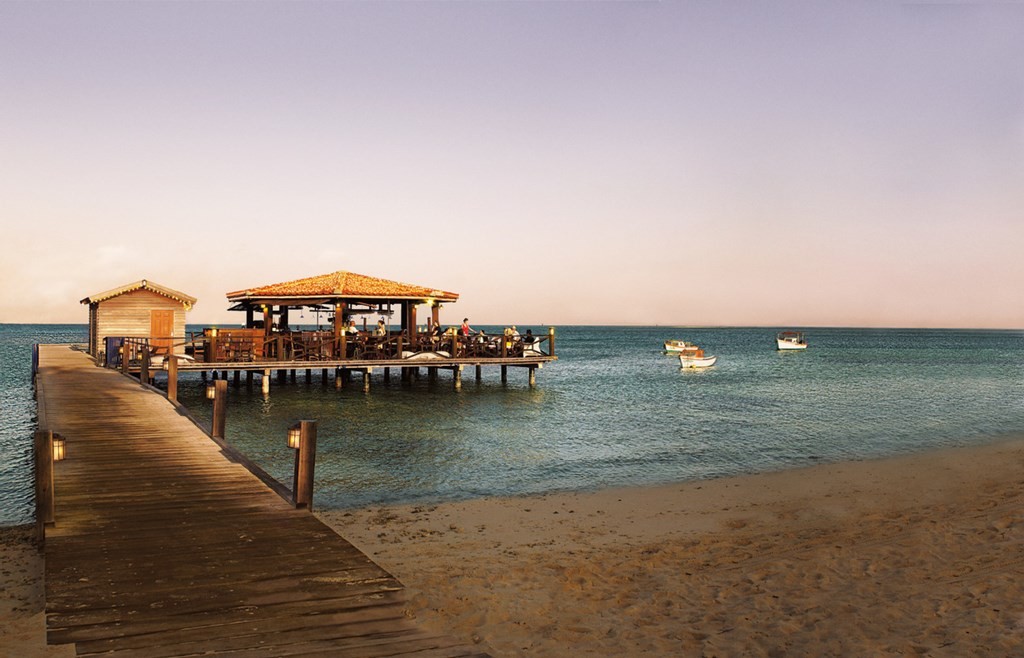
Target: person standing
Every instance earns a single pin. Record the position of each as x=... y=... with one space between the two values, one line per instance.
x=465 y=330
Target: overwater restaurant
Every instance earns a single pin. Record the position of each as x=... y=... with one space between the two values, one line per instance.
x=367 y=319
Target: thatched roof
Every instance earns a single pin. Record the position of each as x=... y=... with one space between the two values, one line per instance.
x=340 y=286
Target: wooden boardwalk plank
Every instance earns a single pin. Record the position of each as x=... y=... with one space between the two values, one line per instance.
x=166 y=546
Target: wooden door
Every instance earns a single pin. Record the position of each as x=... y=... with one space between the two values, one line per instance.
x=161 y=329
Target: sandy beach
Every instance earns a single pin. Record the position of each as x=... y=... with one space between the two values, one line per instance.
x=917 y=555
x=920 y=555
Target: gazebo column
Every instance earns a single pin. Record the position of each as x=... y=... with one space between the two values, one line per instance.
x=339 y=321
x=268 y=319
x=248 y=316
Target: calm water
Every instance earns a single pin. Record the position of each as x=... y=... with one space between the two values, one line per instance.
x=614 y=410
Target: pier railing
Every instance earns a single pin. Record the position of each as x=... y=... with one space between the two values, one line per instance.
x=217 y=346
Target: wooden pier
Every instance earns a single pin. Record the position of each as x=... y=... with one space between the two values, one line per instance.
x=164 y=546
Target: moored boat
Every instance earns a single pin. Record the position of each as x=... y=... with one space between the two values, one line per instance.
x=674 y=345
x=791 y=340
x=694 y=357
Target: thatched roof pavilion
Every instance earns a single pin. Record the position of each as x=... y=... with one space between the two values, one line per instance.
x=343 y=293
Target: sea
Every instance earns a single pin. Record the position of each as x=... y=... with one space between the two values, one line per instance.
x=614 y=410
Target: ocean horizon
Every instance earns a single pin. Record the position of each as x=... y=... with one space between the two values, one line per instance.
x=614 y=410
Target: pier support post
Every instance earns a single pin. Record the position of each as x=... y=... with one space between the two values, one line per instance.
x=265 y=382
x=309 y=375
x=533 y=376
x=172 y=378
x=220 y=407
x=431 y=374
x=305 y=460
x=43 y=453
x=504 y=374
x=479 y=372
x=238 y=378
x=457 y=372
x=366 y=380
x=248 y=378
x=387 y=375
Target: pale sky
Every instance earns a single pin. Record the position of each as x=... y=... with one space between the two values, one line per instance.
x=693 y=163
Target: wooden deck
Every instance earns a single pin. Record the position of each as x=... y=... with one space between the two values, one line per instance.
x=165 y=547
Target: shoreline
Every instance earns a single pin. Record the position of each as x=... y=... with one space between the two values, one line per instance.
x=919 y=553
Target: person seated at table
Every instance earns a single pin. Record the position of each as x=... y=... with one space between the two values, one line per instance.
x=351 y=328
x=529 y=338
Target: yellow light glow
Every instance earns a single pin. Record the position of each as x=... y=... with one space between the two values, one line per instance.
x=59 y=448
x=294 y=437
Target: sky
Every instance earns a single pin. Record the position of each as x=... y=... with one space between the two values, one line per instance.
x=675 y=163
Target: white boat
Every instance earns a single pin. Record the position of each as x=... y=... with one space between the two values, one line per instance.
x=693 y=357
x=677 y=345
x=791 y=340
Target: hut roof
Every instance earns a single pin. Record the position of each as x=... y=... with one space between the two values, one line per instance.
x=340 y=285
x=186 y=300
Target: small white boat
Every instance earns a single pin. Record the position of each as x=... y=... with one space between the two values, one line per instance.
x=693 y=357
x=791 y=340
x=677 y=345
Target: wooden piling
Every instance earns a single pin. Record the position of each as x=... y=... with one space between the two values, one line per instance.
x=144 y=368
x=533 y=376
x=305 y=460
x=265 y=382
x=172 y=377
x=220 y=407
x=43 y=454
x=457 y=372
x=504 y=374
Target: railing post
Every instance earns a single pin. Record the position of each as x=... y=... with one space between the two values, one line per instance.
x=125 y=354
x=172 y=377
x=305 y=460
x=344 y=347
x=144 y=367
x=551 y=341
x=43 y=457
x=220 y=407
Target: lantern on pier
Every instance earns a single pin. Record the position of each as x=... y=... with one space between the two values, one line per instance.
x=295 y=436
x=59 y=448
